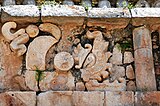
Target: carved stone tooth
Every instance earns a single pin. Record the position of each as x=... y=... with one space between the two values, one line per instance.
x=68 y=2
x=29 y=2
x=9 y=2
x=32 y=31
x=142 y=3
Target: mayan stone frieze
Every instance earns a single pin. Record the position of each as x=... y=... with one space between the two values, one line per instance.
x=100 y=63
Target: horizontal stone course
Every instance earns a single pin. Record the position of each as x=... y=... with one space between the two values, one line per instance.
x=80 y=98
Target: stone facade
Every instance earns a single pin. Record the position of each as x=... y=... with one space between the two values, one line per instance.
x=78 y=57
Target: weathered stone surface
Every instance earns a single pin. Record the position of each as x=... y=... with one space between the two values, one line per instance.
x=147 y=99
x=116 y=56
x=59 y=11
x=145 y=12
x=131 y=86
x=63 y=61
x=128 y=57
x=57 y=98
x=63 y=81
x=10 y=66
x=119 y=99
x=117 y=85
x=46 y=79
x=18 y=99
x=130 y=72
x=80 y=86
x=109 y=13
x=144 y=68
x=149 y=15
x=117 y=72
x=31 y=81
x=32 y=30
x=37 y=50
x=108 y=23
x=142 y=38
x=94 y=98
x=20 y=14
x=104 y=4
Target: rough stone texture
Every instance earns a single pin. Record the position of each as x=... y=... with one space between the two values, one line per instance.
x=94 y=85
x=63 y=61
x=109 y=13
x=142 y=38
x=130 y=72
x=131 y=86
x=144 y=68
x=20 y=14
x=10 y=68
x=30 y=80
x=119 y=99
x=37 y=50
x=117 y=72
x=128 y=57
x=57 y=98
x=147 y=99
x=74 y=14
x=116 y=56
x=18 y=99
x=63 y=81
x=88 y=98
x=80 y=86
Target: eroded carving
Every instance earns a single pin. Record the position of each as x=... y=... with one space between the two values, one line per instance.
x=80 y=54
x=51 y=28
x=6 y=31
x=18 y=44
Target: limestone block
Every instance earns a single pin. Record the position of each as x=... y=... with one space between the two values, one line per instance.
x=117 y=72
x=150 y=16
x=46 y=79
x=116 y=56
x=95 y=98
x=128 y=57
x=147 y=98
x=75 y=14
x=55 y=98
x=142 y=38
x=131 y=86
x=18 y=99
x=130 y=72
x=63 y=61
x=63 y=81
x=119 y=98
x=20 y=14
x=31 y=81
x=37 y=50
x=117 y=85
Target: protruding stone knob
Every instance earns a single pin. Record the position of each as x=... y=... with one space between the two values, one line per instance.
x=63 y=61
x=104 y=4
x=9 y=2
x=29 y=2
x=68 y=2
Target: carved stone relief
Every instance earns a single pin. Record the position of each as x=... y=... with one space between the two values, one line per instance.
x=97 y=65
